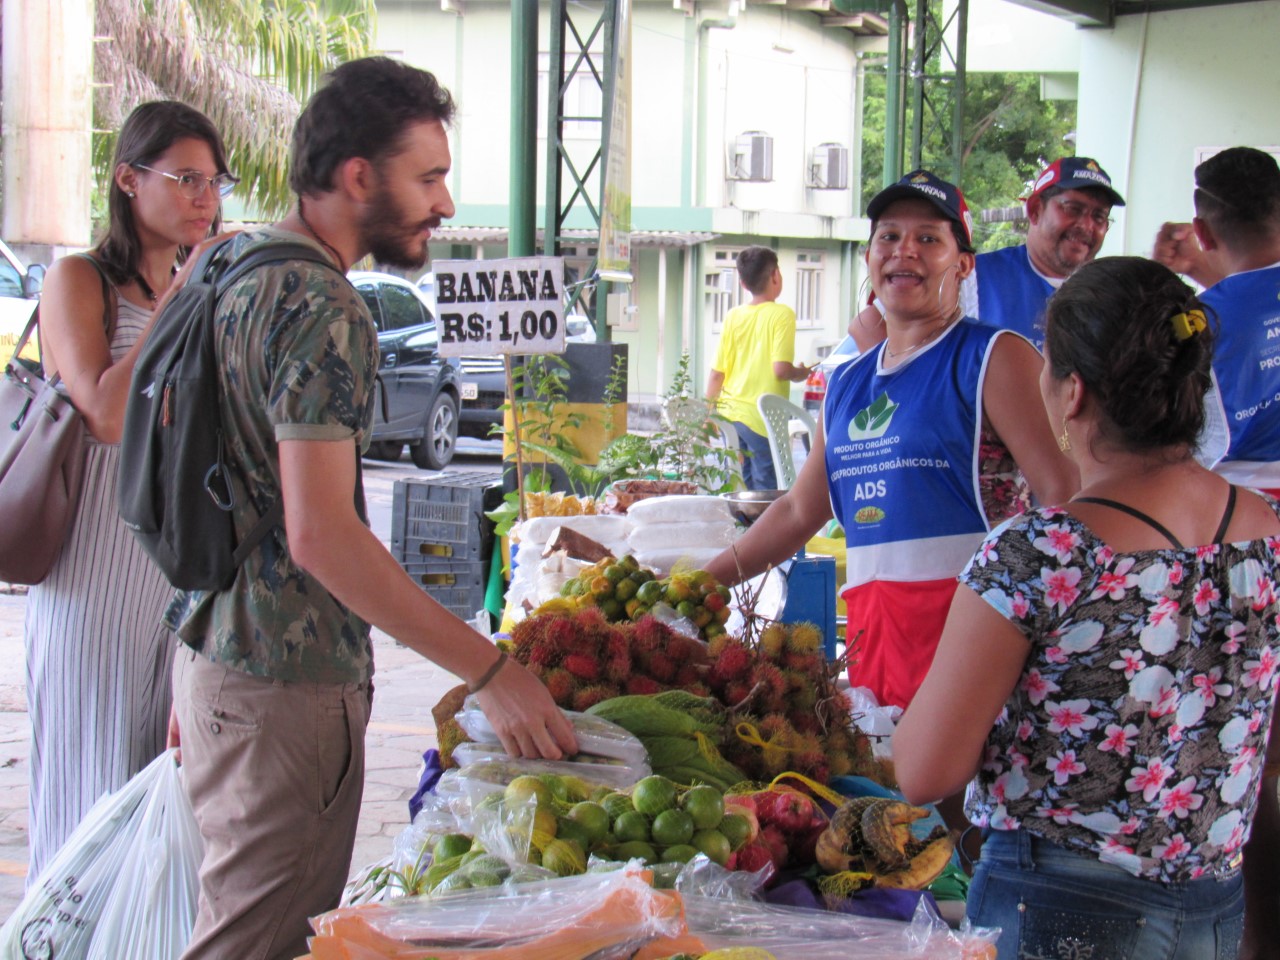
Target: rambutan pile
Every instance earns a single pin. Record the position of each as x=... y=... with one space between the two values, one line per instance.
x=582 y=658
x=778 y=681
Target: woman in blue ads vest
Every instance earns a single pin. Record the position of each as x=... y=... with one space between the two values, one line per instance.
x=1107 y=673
x=915 y=445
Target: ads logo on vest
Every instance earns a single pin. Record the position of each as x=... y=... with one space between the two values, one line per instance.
x=872 y=422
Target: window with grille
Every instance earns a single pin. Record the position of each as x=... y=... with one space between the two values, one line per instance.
x=808 y=292
x=723 y=291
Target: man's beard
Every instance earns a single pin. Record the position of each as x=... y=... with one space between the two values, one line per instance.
x=390 y=239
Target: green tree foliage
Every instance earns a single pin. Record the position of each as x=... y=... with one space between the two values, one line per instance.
x=247 y=64
x=1009 y=135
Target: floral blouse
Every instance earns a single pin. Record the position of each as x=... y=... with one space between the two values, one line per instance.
x=1138 y=727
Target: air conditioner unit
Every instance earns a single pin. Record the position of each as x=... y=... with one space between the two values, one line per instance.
x=752 y=157
x=829 y=167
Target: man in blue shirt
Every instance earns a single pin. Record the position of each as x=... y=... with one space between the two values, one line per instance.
x=1069 y=209
x=1232 y=248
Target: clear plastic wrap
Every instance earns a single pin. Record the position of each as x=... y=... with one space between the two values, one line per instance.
x=604 y=916
x=602 y=528
x=606 y=773
x=596 y=737
x=490 y=774
x=704 y=533
x=793 y=933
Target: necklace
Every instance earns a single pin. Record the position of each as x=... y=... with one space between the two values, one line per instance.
x=145 y=287
x=927 y=339
x=321 y=240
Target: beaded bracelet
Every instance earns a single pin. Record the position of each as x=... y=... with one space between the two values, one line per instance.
x=488 y=674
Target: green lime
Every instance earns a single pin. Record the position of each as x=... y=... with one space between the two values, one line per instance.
x=626 y=589
x=680 y=853
x=634 y=850
x=450 y=845
x=650 y=592
x=672 y=828
x=616 y=804
x=714 y=844
x=592 y=818
x=653 y=794
x=631 y=826
x=523 y=787
x=615 y=572
x=567 y=829
x=736 y=829
x=706 y=806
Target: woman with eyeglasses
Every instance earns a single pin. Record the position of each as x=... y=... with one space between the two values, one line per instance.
x=98 y=660
x=1107 y=674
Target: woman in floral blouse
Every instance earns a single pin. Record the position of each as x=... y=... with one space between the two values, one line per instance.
x=1109 y=675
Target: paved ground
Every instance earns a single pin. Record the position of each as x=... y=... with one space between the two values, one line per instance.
x=407 y=687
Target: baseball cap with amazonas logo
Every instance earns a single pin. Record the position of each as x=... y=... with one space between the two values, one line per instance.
x=1075 y=173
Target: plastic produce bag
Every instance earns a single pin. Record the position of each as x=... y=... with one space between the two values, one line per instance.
x=604 y=916
x=792 y=933
x=125 y=882
x=596 y=736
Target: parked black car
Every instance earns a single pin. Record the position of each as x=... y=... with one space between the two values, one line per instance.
x=418 y=390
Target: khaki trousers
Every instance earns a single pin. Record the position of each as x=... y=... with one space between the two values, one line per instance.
x=275 y=773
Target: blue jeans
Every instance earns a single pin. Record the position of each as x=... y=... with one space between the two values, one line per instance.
x=1052 y=903
x=757 y=466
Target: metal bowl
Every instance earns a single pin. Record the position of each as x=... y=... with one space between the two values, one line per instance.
x=748 y=505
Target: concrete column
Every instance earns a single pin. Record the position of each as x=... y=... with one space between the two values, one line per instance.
x=47 y=121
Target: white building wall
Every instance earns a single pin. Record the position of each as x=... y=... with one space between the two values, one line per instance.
x=1157 y=88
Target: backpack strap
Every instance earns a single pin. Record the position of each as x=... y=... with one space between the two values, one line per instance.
x=268 y=253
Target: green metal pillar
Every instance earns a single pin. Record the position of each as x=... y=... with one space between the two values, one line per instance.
x=957 y=113
x=524 y=128
x=895 y=105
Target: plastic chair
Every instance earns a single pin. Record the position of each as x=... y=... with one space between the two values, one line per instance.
x=778 y=414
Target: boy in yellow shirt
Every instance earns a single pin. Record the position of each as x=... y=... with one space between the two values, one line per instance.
x=757 y=347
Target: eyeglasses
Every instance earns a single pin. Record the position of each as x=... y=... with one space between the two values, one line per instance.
x=1077 y=211
x=193 y=185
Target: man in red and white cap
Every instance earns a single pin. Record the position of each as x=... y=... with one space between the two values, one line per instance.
x=1069 y=208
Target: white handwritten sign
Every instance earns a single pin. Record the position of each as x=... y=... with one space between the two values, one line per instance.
x=500 y=306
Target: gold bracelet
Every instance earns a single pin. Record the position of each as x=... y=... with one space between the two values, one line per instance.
x=488 y=674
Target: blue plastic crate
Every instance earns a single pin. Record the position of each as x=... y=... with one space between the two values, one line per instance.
x=458 y=586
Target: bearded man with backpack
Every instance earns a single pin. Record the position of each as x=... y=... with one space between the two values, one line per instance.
x=272 y=688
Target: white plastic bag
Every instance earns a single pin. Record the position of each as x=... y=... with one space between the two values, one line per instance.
x=125 y=882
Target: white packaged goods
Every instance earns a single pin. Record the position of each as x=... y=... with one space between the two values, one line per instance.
x=680 y=508
x=603 y=528
x=697 y=534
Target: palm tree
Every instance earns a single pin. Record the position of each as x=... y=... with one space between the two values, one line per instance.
x=247 y=64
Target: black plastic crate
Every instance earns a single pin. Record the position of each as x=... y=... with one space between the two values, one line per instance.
x=443 y=517
x=458 y=586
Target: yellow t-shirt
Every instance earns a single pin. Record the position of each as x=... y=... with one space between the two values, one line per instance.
x=754 y=337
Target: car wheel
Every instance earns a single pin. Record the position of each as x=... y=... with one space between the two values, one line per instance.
x=386 y=450
x=440 y=437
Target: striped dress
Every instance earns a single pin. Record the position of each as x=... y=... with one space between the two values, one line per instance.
x=98 y=660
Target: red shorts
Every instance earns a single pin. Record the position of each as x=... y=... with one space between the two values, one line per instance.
x=901 y=624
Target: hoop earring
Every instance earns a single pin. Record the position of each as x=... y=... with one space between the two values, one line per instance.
x=1064 y=441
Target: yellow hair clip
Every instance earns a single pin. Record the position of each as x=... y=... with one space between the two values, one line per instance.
x=1188 y=324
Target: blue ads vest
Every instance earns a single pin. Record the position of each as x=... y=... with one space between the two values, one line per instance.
x=1246 y=366
x=902 y=457
x=1011 y=295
